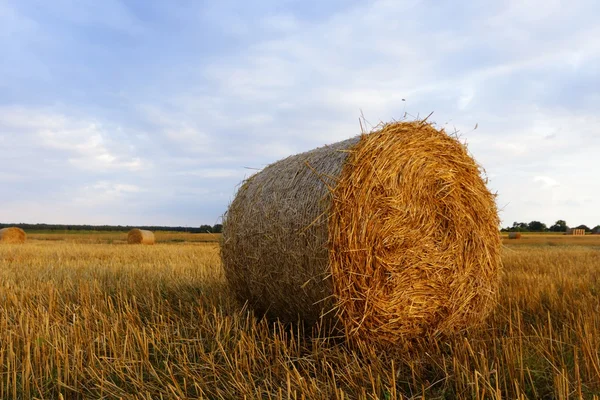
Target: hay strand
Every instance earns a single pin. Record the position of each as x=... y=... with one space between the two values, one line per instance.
x=140 y=236
x=389 y=235
x=12 y=235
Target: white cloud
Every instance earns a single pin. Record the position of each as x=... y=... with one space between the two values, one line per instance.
x=13 y=23
x=214 y=173
x=110 y=14
x=546 y=181
x=465 y=99
x=9 y=177
x=275 y=79
x=104 y=193
x=280 y=23
x=84 y=144
x=316 y=80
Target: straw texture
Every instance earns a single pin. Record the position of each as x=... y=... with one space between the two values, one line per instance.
x=12 y=235
x=387 y=235
x=139 y=236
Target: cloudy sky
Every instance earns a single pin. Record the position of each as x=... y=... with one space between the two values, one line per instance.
x=151 y=112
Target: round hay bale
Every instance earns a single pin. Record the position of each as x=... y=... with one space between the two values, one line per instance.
x=387 y=235
x=140 y=236
x=12 y=235
x=514 y=235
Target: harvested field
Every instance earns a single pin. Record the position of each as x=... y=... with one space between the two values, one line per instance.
x=110 y=321
x=119 y=237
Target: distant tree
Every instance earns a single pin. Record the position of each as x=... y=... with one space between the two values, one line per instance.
x=218 y=228
x=596 y=229
x=60 y=227
x=559 y=226
x=585 y=227
x=519 y=227
x=205 y=229
x=537 y=226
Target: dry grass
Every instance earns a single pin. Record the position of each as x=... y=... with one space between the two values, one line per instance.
x=386 y=235
x=110 y=321
x=115 y=237
x=532 y=239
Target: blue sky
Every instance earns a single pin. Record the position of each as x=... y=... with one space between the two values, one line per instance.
x=151 y=112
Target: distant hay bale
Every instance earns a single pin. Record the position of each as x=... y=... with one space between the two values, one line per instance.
x=386 y=235
x=575 y=232
x=514 y=235
x=140 y=236
x=12 y=235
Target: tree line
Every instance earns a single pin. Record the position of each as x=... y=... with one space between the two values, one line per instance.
x=60 y=227
x=533 y=226
x=537 y=226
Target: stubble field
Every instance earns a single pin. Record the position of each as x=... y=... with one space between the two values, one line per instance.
x=86 y=316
